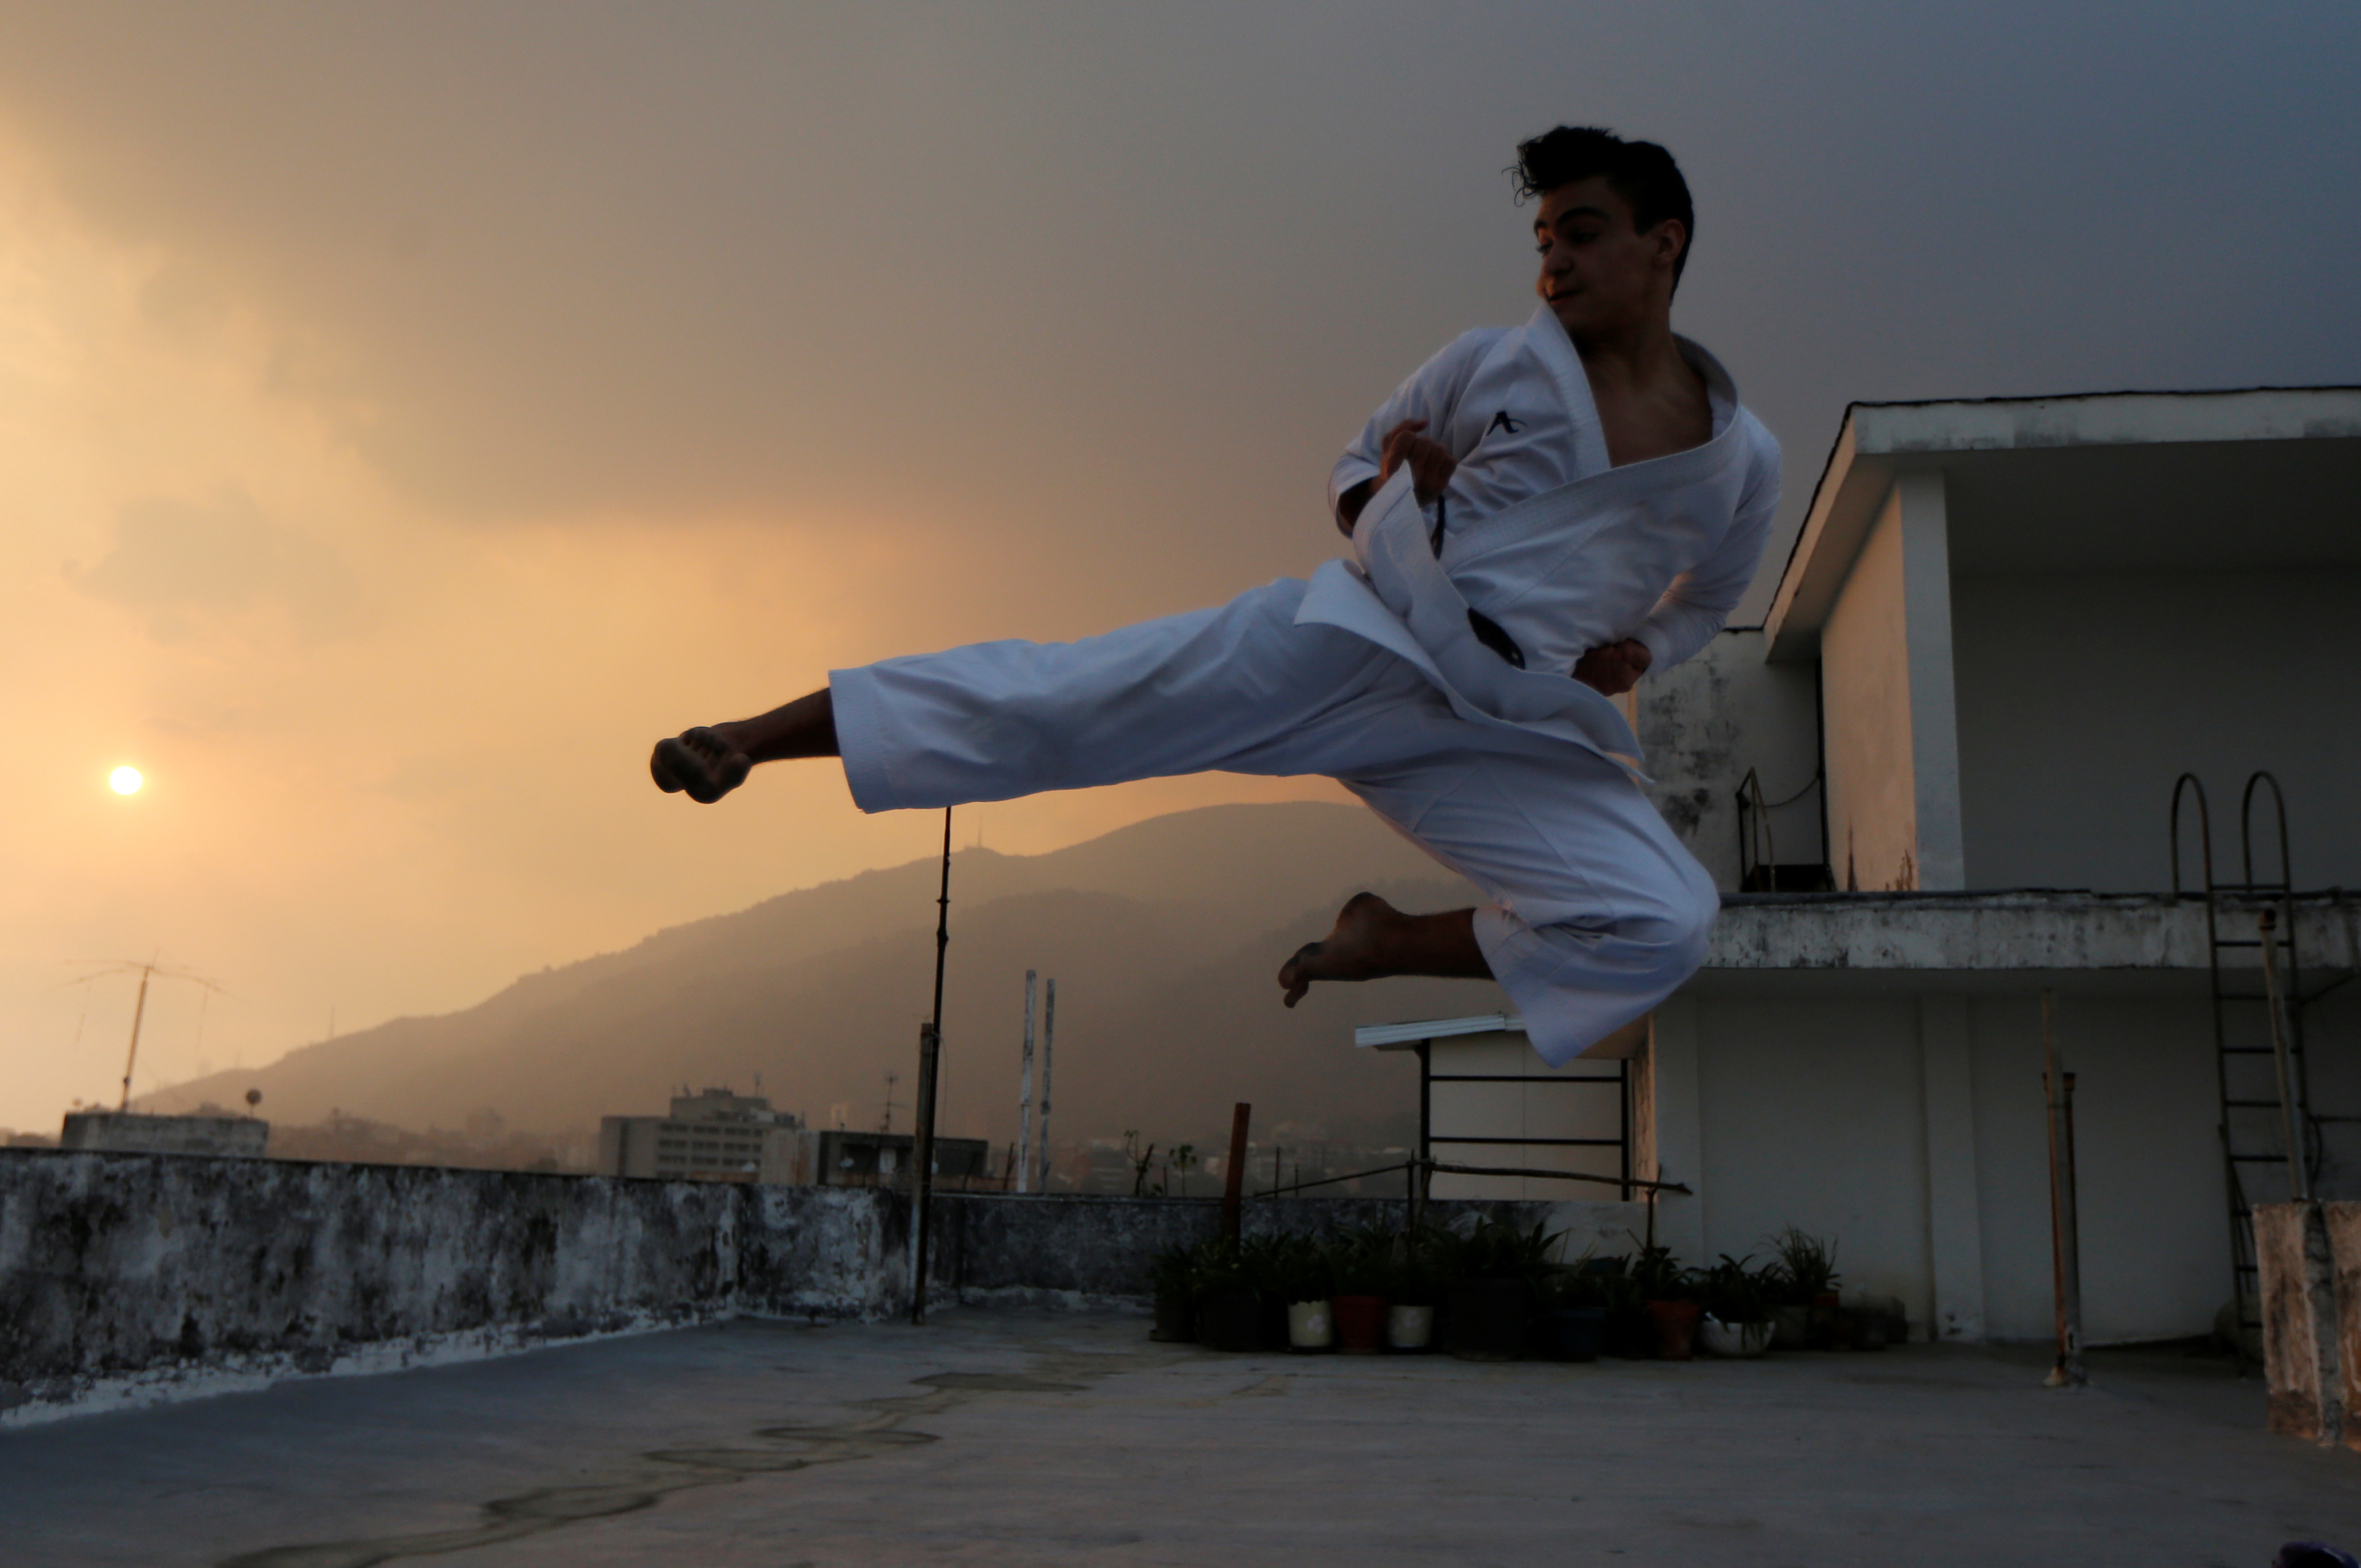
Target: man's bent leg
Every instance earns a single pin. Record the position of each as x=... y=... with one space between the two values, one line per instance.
x=1598 y=912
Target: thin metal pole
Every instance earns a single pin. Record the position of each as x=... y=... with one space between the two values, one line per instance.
x=1423 y=1177
x=2065 y=1242
x=1234 y=1175
x=1049 y=1033
x=137 y=1013
x=1025 y=1096
x=930 y=1057
x=2298 y=1178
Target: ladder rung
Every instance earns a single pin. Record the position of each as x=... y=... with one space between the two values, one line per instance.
x=2244 y=1050
x=2251 y=1104
x=2252 y=1158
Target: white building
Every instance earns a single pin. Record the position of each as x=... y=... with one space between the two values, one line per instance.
x=2007 y=627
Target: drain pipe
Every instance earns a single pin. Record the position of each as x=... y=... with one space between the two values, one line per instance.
x=2065 y=1242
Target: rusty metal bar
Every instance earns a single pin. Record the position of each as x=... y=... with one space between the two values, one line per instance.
x=1025 y=1093
x=1233 y=1174
x=930 y=1057
x=2065 y=1240
x=2299 y=1173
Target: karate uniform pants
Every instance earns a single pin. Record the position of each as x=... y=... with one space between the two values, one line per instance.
x=1596 y=912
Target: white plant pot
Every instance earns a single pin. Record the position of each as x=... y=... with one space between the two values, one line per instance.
x=1410 y=1328
x=1310 y=1325
x=1736 y=1341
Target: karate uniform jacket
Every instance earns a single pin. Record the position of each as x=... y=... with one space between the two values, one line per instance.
x=1543 y=538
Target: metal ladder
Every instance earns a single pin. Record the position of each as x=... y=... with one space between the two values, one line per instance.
x=2264 y=1104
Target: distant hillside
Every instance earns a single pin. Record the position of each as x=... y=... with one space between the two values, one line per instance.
x=1164 y=937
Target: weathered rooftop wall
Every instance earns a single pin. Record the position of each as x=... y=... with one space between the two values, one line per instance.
x=137 y=1279
x=129 y=1278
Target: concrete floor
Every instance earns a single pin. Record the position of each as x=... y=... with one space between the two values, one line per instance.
x=998 y=1438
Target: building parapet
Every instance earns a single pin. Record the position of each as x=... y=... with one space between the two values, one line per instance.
x=2025 y=929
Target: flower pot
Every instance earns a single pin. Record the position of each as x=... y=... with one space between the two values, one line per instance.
x=1676 y=1324
x=1791 y=1327
x=1738 y=1341
x=1360 y=1324
x=1409 y=1327
x=1310 y=1325
x=1827 y=1323
x=1574 y=1334
x=1176 y=1320
x=1230 y=1320
x=1485 y=1320
x=1631 y=1334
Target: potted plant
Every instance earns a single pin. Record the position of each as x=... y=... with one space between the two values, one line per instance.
x=1807 y=1275
x=1359 y=1263
x=1737 y=1320
x=1574 y=1311
x=1669 y=1292
x=1303 y=1279
x=1488 y=1297
x=1627 y=1331
x=1174 y=1277
x=1231 y=1276
x=1413 y=1289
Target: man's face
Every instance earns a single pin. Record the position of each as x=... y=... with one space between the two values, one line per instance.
x=1599 y=274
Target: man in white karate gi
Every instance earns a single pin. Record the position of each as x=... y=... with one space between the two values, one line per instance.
x=1538 y=516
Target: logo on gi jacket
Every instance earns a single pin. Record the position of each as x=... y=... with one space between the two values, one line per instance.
x=1502 y=421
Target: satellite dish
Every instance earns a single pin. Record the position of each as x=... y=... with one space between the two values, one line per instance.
x=253 y=1097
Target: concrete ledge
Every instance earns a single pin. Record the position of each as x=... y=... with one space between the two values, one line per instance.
x=2024 y=930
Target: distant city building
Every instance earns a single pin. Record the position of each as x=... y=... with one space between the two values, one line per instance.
x=835 y=1156
x=212 y=1131
x=716 y=1135
x=712 y=1135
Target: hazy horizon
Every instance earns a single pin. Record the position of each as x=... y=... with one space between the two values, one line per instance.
x=409 y=413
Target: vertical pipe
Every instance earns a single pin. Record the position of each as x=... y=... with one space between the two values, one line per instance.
x=1025 y=1096
x=2299 y=1176
x=137 y=1013
x=1623 y=1138
x=2065 y=1244
x=1048 y=1034
x=930 y=1057
x=922 y=1154
x=1421 y=1174
x=1234 y=1175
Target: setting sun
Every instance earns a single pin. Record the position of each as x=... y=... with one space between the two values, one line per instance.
x=126 y=781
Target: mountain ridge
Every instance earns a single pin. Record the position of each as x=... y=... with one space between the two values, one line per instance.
x=1163 y=933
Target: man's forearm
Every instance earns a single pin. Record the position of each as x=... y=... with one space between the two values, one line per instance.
x=1349 y=505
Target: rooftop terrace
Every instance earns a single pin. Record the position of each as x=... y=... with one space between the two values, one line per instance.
x=993 y=1437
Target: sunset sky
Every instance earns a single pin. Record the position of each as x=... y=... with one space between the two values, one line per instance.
x=408 y=413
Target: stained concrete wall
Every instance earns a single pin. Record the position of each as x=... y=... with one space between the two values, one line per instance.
x=134 y=1279
x=1702 y=724
x=121 y=1274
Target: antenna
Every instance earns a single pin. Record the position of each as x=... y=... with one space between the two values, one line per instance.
x=891 y=1079
x=146 y=972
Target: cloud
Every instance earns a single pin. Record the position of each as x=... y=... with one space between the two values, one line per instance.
x=177 y=560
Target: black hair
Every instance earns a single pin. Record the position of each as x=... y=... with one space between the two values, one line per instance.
x=1640 y=171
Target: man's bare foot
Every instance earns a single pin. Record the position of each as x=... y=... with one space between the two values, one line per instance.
x=1372 y=941
x=705 y=763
